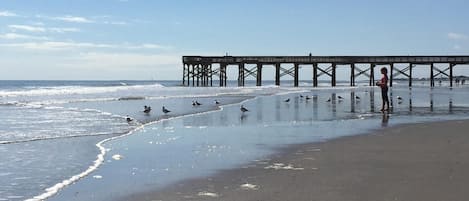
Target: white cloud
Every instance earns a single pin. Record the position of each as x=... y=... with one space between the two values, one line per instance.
x=13 y=36
x=76 y=19
x=457 y=36
x=7 y=14
x=63 y=30
x=59 y=45
x=43 y=29
x=27 y=28
x=53 y=45
x=115 y=22
x=148 y=46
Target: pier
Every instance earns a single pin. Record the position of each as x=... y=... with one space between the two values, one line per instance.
x=201 y=70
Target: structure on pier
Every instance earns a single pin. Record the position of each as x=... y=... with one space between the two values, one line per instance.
x=200 y=70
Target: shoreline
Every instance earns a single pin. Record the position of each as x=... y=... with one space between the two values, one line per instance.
x=53 y=190
x=422 y=161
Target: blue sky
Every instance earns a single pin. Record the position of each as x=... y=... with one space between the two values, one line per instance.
x=136 y=39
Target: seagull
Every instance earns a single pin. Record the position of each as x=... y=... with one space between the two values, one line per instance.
x=243 y=109
x=166 y=111
x=357 y=97
x=197 y=103
x=399 y=100
x=287 y=100
x=328 y=100
x=340 y=97
x=147 y=109
x=216 y=102
x=128 y=119
x=301 y=96
x=307 y=98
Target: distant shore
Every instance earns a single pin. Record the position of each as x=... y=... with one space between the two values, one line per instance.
x=424 y=161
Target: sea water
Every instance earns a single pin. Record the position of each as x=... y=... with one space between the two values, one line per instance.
x=49 y=130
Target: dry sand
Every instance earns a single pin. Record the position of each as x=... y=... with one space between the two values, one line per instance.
x=418 y=162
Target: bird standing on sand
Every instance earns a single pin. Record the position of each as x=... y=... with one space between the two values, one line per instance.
x=328 y=100
x=147 y=109
x=399 y=100
x=243 y=109
x=340 y=97
x=216 y=102
x=287 y=100
x=166 y=111
x=196 y=103
x=307 y=98
x=301 y=96
x=128 y=119
x=357 y=97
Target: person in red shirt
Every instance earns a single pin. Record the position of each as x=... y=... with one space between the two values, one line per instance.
x=383 y=83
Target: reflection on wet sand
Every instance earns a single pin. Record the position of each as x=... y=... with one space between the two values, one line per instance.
x=327 y=106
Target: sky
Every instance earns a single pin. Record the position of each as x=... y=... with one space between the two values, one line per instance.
x=145 y=40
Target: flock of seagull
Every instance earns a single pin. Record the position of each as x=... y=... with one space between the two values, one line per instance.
x=147 y=109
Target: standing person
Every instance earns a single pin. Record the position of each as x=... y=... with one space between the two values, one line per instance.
x=383 y=83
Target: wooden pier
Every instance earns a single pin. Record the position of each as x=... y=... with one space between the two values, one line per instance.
x=200 y=70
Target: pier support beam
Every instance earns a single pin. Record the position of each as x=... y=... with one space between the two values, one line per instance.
x=432 y=77
x=451 y=65
x=296 y=77
x=391 y=78
x=193 y=75
x=372 y=74
x=315 y=74
x=259 y=75
x=333 y=80
x=222 y=75
x=410 y=74
x=188 y=74
x=204 y=74
x=277 y=74
x=184 y=74
x=352 y=75
x=197 y=75
x=241 y=74
x=211 y=75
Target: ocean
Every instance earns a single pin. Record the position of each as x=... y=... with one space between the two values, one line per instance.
x=70 y=140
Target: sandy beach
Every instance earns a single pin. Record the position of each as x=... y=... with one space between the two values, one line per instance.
x=424 y=161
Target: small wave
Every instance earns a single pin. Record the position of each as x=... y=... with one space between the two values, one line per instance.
x=22 y=104
x=131 y=98
x=72 y=90
x=12 y=103
x=61 y=137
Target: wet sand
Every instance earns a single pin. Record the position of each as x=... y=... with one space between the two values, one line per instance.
x=425 y=161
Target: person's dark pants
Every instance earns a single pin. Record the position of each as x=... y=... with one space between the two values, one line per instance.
x=384 y=96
